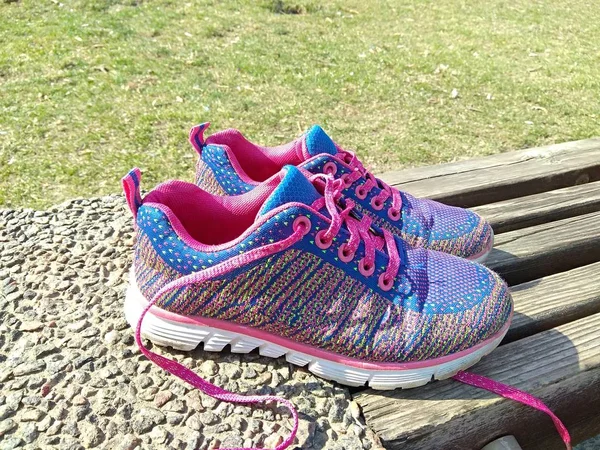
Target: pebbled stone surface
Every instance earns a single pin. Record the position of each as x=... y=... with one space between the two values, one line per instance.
x=71 y=376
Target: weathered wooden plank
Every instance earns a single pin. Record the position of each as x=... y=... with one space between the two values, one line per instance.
x=504 y=176
x=531 y=253
x=557 y=365
x=554 y=300
x=522 y=212
x=504 y=159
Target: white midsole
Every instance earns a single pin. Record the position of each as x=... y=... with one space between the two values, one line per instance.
x=184 y=336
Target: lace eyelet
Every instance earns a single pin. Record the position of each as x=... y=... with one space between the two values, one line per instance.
x=393 y=214
x=367 y=271
x=302 y=222
x=345 y=257
x=345 y=178
x=376 y=204
x=385 y=284
x=360 y=192
x=330 y=168
x=321 y=242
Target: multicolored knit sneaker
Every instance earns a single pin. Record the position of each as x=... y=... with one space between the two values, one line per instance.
x=283 y=270
x=229 y=164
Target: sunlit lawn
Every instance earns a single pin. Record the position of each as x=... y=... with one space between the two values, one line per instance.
x=89 y=89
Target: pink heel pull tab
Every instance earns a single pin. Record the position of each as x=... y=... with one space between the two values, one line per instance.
x=131 y=188
x=514 y=394
x=191 y=377
x=197 y=136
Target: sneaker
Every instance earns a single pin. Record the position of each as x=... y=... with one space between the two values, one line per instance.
x=229 y=164
x=283 y=270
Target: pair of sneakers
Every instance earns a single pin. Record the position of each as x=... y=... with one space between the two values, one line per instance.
x=299 y=251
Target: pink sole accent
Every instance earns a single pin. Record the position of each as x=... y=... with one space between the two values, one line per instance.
x=313 y=351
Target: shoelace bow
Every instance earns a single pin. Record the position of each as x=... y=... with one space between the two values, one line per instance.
x=386 y=191
x=359 y=230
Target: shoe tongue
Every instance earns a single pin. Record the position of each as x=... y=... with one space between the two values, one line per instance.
x=315 y=142
x=293 y=187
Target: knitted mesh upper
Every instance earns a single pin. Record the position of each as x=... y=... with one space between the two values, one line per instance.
x=293 y=188
x=438 y=305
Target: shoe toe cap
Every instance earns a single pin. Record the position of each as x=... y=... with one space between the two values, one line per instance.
x=448 y=229
x=458 y=305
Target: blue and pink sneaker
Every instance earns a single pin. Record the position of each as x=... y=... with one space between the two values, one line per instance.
x=284 y=270
x=229 y=164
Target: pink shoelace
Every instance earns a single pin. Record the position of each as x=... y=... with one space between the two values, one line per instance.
x=516 y=395
x=359 y=230
x=362 y=190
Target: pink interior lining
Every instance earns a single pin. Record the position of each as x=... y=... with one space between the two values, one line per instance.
x=257 y=162
x=206 y=218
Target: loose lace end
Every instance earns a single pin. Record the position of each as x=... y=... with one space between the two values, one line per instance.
x=517 y=395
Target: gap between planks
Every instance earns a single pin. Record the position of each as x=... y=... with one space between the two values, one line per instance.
x=545 y=207
x=531 y=253
x=554 y=300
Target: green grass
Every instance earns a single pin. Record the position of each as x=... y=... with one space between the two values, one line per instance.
x=91 y=88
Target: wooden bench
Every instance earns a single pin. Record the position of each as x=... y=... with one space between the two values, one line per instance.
x=544 y=204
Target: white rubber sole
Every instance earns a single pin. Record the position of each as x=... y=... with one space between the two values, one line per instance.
x=186 y=336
